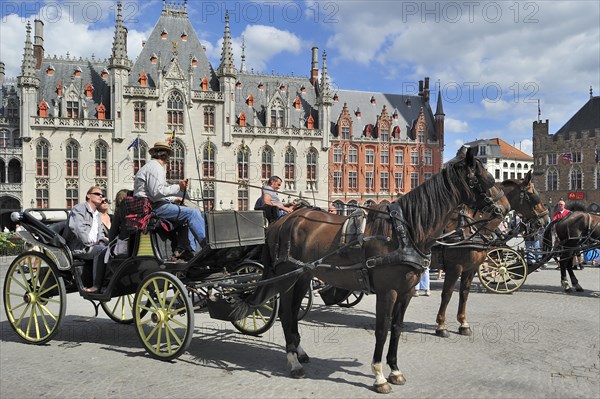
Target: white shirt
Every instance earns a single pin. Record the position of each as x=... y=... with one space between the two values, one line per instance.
x=93 y=234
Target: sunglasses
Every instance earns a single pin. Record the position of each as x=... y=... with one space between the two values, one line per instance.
x=98 y=194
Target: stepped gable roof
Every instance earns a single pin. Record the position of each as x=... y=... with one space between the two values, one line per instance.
x=587 y=118
x=407 y=115
x=256 y=115
x=64 y=69
x=174 y=24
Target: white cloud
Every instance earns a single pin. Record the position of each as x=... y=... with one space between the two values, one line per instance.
x=452 y=125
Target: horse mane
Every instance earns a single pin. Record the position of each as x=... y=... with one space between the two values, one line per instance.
x=576 y=206
x=427 y=205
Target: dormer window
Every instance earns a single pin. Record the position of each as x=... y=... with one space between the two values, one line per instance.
x=204 y=84
x=310 y=122
x=238 y=85
x=101 y=111
x=408 y=103
x=336 y=98
x=153 y=58
x=194 y=62
x=297 y=103
x=143 y=79
x=303 y=89
x=395 y=114
x=104 y=74
x=43 y=109
x=282 y=88
x=357 y=113
x=261 y=86
x=250 y=100
x=373 y=101
x=184 y=36
x=242 y=121
x=59 y=89
x=77 y=72
x=369 y=130
x=50 y=70
x=89 y=90
x=164 y=34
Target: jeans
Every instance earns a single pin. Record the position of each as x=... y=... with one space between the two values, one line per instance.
x=532 y=251
x=424 y=283
x=191 y=216
x=96 y=253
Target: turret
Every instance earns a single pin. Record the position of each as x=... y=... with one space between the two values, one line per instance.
x=324 y=103
x=119 y=67
x=28 y=83
x=227 y=76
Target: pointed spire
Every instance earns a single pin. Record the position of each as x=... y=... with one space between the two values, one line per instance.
x=227 y=68
x=439 y=110
x=243 y=66
x=28 y=76
x=324 y=89
x=119 y=48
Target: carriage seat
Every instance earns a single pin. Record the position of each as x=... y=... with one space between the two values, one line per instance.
x=354 y=228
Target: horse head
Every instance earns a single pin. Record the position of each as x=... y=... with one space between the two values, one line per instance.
x=527 y=202
x=480 y=192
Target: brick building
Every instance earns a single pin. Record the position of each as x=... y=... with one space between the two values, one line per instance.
x=567 y=162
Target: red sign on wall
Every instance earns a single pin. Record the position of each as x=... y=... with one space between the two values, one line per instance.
x=576 y=195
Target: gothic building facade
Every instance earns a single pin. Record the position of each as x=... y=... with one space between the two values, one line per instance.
x=567 y=163
x=68 y=124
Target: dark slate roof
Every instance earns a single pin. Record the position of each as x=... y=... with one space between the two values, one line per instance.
x=7 y=90
x=587 y=118
x=64 y=69
x=174 y=25
x=407 y=115
x=271 y=85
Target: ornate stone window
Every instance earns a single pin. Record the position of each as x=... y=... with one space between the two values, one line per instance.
x=243 y=162
x=266 y=165
x=139 y=115
x=208 y=161
x=42 y=158
x=311 y=169
x=176 y=166
x=72 y=159
x=289 y=173
x=101 y=160
x=175 y=112
x=139 y=156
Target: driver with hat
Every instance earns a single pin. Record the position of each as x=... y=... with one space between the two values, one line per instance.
x=151 y=182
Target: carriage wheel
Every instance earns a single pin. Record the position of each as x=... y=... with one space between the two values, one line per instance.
x=306 y=303
x=164 y=316
x=35 y=298
x=503 y=271
x=120 y=309
x=262 y=318
x=352 y=300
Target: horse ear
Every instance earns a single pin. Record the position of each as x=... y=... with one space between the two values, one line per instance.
x=527 y=179
x=470 y=157
x=462 y=152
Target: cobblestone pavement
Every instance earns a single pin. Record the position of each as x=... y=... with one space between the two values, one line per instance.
x=537 y=342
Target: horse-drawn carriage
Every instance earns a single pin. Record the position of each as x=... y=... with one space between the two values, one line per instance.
x=142 y=287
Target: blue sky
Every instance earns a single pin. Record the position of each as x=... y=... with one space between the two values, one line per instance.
x=494 y=59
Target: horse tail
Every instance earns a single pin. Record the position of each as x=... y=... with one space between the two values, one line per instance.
x=547 y=242
x=270 y=285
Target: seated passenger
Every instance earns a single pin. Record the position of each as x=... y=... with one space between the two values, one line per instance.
x=85 y=234
x=270 y=199
x=151 y=182
x=118 y=231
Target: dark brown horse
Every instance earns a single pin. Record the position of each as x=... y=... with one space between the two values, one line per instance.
x=575 y=232
x=464 y=259
x=389 y=262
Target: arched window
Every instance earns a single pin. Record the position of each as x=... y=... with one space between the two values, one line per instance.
x=41 y=158
x=140 y=155
x=277 y=114
x=4 y=138
x=176 y=167
x=14 y=171
x=209 y=117
x=243 y=161
x=208 y=161
x=552 y=180
x=72 y=159
x=311 y=169
x=266 y=166
x=289 y=172
x=139 y=115
x=101 y=160
x=576 y=178
x=175 y=112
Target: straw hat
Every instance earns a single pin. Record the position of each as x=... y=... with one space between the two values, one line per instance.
x=161 y=146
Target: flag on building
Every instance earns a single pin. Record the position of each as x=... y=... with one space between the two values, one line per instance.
x=135 y=144
x=539 y=110
x=171 y=138
x=567 y=157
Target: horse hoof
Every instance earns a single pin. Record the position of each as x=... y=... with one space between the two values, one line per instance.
x=566 y=286
x=397 y=379
x=298 y=373
x=578 y=288
x=303 y=358
x=442 y=333
x=466 y=331
x=568 y=290
x=383 y=388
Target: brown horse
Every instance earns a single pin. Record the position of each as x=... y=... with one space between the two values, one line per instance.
x=575 y=232
x=463 y=260
x=389 y=262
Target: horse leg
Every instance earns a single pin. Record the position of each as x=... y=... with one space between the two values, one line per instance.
x=289 y=323
x=574 y=280
x=396 y=377
x=565 y=262
x=385 y=303
x=465 y=287
x=300 y=290
x=449 y=284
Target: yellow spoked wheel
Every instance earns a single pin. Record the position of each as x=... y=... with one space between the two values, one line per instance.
x=35 y=298
x=503 y=271
x=120 y=309
x=164 y=316
x=262 y=318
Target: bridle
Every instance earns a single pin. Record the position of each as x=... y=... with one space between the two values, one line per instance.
x=489 y=200
x=532 y=199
